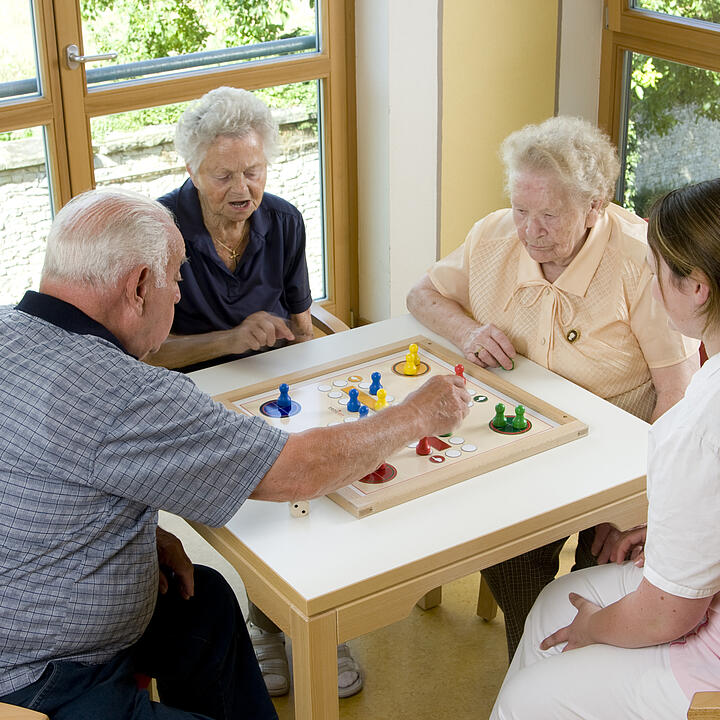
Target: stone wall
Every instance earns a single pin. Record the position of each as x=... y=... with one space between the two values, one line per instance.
x=144 y=161
x=688 y=153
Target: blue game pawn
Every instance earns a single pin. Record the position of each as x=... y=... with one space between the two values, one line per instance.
x=375 y=384
x=284 y=402
x=363 y=411
x=353 y=403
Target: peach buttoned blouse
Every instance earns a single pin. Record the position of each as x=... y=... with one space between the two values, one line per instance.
x=597 y=324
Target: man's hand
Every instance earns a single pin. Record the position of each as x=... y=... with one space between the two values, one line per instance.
x=577 y=633
x=171 y=555
x=488 y=346
x=261 y=329
x=441 y=403
x=612 y=545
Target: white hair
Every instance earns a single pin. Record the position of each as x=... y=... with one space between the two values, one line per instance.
x=224 y=111
x=578 y=153
x=102 y=234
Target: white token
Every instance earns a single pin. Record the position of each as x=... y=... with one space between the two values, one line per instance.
x=452 y=453
x=335 y=394
x=339 y=383
x=413 y=444
x=456 y=440
x=389 y=398
x=324 y=388
x=469 y=448
x=471 y=403
x=334 y=422
x=365 y=385
x=351 y=419
x=344 y=400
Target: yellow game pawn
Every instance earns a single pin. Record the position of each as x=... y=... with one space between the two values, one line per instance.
x=380 y=403
x=414 y=352
x=410 y=366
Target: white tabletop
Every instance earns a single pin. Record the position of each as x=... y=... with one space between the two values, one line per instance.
x=331 y=549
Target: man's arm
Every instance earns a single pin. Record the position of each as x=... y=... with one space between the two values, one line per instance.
x=670 y=383
x=258 y=330
x=319 y=460
x=485 y=345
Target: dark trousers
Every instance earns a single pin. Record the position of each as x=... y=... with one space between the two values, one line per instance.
x=517 y=582
x=198 y=650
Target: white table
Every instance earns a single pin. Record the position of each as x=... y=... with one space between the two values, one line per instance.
x=329 y=577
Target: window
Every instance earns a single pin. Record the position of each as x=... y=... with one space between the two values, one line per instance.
x=112 y=121
x=659 y=86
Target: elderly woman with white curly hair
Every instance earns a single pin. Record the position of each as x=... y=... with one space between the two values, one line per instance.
x=245 y=286
x=561 y=278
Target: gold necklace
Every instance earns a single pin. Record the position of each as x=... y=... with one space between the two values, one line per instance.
x=235 y=254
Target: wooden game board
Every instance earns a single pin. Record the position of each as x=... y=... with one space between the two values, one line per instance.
x=473 y=449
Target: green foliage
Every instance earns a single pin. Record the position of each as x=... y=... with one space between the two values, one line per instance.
x=658 y=87
x=147 y=29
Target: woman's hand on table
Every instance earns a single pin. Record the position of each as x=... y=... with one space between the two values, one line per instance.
x=261 y=329
x=488 y=347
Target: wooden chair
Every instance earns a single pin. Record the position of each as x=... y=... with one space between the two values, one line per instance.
x=705 y=706
x=12 y=712
x=324 y=322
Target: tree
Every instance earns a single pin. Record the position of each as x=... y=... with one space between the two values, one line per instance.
x=658 y=87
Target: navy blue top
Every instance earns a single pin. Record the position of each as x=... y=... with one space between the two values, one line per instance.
x=271 y=274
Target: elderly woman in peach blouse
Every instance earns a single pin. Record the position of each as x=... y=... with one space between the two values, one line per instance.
x=561 y=278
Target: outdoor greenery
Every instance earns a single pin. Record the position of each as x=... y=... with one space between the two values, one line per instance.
x=658 y=87
x=146 y=29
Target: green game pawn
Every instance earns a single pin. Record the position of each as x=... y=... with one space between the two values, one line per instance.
x=519 y=422
x=499 y=420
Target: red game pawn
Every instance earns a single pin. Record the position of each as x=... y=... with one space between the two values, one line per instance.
x=459 y=370
x=423 y=446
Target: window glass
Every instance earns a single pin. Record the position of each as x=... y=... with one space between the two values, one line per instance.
x=707 y=10
x=18 y=59
x=25 y=211
x=156 y=37
x=672 y=127
x=136 y=150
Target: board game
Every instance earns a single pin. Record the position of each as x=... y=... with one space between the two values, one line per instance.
x=505 y=423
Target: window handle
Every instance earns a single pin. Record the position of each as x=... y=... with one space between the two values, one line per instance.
x=74 y=60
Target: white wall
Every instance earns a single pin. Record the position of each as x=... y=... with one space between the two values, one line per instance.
x=398 y=134
x=580 y=41
x=398 y=115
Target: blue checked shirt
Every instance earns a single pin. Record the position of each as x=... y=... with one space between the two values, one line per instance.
x=92 y=443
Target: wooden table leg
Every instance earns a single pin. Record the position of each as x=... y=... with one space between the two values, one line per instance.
x=430 y=599
x=314 y=651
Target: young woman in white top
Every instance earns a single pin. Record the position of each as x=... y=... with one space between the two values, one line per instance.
x=638 y=638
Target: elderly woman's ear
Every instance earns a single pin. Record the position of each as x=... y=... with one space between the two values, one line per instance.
x=594 y=213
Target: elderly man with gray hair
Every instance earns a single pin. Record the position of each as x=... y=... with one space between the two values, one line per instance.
x=94 y=442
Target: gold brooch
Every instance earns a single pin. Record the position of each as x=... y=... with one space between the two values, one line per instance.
x=573 y=335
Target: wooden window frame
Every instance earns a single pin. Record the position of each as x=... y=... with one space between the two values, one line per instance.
x=629 y=29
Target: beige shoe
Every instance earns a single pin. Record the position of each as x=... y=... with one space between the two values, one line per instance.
x=270 y=653
x=350 y=678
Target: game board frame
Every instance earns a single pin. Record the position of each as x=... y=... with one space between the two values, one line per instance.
x=568 y=427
